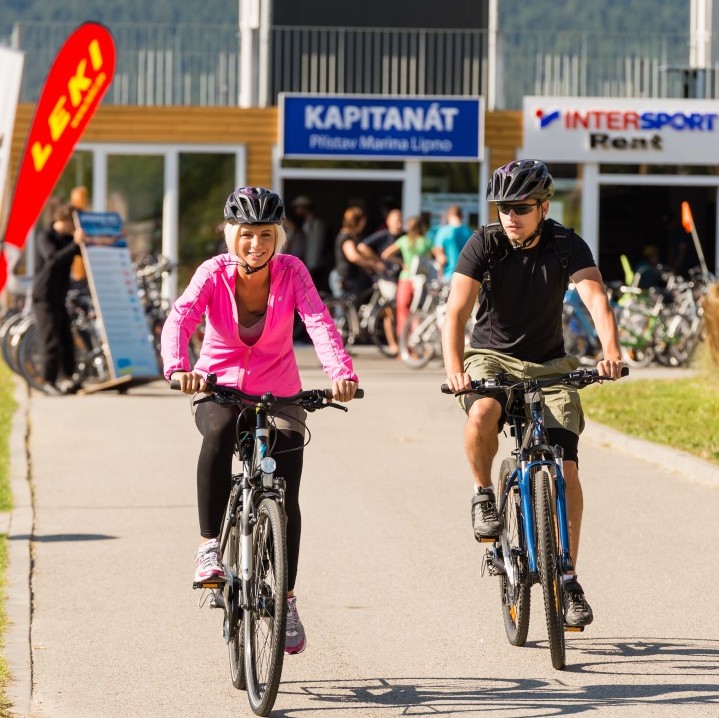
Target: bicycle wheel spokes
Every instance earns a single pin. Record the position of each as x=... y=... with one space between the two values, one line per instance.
x=233 y=613
x=514 y=584
x=549 y=567
x=266 y=613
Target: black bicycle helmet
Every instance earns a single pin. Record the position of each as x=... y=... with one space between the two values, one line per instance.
x=254 y=205
x=520 y=180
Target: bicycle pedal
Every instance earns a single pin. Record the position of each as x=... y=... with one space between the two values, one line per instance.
x=208 y=584
x=574 y=629
x=487 y=539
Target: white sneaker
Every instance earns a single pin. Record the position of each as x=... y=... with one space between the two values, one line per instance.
x=208 y=562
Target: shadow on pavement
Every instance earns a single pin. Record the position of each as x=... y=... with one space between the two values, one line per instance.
x=51 y=538
x=524 y=698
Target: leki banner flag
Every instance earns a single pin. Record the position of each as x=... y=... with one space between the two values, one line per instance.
x=78 y=79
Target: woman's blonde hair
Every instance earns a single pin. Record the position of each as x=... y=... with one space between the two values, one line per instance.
x=232 y=232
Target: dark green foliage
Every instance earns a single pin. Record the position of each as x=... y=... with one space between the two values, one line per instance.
x=168 y=12
x=610 y=16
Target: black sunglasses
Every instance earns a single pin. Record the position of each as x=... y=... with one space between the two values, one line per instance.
x=506 y=207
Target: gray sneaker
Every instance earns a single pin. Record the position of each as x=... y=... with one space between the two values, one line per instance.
x=577 y=612
x=295 y=639
x=485 y=520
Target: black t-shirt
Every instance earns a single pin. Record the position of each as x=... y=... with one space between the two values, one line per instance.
x=379 y=241
x=525 y=316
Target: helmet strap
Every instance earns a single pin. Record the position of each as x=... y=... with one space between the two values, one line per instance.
x=247 y=269
x=537 y=232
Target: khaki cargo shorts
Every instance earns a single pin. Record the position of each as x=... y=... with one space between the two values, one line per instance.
x=563 y=409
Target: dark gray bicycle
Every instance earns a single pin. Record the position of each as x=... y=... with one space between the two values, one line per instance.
x=254 y=545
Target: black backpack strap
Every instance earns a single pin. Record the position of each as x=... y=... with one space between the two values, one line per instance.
x=495 y=247
x=562 y=248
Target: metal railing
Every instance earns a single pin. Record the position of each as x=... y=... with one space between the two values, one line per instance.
x=177 y=65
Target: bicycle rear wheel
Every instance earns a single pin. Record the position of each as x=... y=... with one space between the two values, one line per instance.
x=549 y=568
x=419 y=339
x=340 y=313
x=266 y=614
x=29 y=358
x=383 y=319
x=514 y=583
x=233 y=612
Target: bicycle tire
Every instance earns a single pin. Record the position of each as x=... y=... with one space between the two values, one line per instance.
x=15 y=337
x=29 y=358
x=340 y=316
x=515 y=594
x=233 y=616
x=548 y=565
x=266 y=613
x=377 y=329
x=417 y=342
x=6 y=335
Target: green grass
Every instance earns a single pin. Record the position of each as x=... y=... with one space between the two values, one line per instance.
x=681 y=413
x=7 y=409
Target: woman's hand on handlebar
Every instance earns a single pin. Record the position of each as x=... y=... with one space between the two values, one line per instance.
x=343 y=389
x=461 y=381
x=190 y=382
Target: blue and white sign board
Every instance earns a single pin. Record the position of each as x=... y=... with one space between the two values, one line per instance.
x=381 y=128
x=621 y=130
x=113 y=285
x=100 y=224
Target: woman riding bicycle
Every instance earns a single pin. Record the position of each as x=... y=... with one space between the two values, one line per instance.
x=249 y=297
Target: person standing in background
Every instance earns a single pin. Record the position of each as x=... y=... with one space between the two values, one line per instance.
x=80 y=202
x=451 y=238
x=413 y=247
x=315 y=234
x=56 y=249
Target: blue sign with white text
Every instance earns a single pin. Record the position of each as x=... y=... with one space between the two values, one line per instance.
x=378 y=127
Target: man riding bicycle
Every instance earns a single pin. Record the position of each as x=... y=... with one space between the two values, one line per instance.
x=518 y=268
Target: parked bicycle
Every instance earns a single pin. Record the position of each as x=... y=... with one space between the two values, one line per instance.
x=254 y=546
x=534 y=545
x=366 y=318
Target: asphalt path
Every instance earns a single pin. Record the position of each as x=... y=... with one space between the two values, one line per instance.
x=398 y=618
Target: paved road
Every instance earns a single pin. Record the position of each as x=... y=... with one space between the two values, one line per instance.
x=398 y=618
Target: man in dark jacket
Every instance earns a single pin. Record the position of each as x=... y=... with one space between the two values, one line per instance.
x=56 y=248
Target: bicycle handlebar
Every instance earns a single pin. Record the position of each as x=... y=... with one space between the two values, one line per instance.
x=310 y=398
x=578 y=379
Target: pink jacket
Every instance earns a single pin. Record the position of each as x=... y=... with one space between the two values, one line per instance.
x=270 y=363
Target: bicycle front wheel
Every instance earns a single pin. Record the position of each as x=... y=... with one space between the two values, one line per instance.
x=382 y=329
x=233 y=612
x=514 y=586
x=549 y=568
x=419 y=340
x=266 y=611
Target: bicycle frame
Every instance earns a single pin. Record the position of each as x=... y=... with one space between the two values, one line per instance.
x=532 y=452
x=250 y=482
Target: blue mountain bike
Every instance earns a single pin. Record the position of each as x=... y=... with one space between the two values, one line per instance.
x=534 y=545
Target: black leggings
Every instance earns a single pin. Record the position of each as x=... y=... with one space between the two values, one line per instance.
x=214 y=471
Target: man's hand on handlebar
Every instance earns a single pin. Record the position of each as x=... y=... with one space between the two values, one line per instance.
x=610 y=367
x=343 y=389
x=461 y=381
x=190 y=382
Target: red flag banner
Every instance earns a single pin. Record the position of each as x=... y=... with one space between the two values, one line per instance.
x=687 y=219
x=77 y=81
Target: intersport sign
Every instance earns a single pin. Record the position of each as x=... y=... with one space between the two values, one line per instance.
x=591 y=129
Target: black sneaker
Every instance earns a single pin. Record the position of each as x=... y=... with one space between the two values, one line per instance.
x=485 y=520
x=577 y=612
